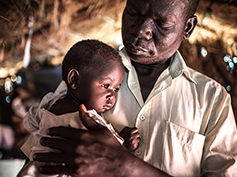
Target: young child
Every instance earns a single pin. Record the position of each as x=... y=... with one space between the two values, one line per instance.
x=93 y=72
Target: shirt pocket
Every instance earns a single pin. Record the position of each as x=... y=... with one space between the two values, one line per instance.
x=182 y=150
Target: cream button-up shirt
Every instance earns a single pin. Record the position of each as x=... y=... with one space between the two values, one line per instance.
x=186 y=124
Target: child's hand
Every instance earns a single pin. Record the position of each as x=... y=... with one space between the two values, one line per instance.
x=131 y=138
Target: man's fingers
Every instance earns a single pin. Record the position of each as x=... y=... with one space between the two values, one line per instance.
x=45 y=169
x=47 y=157
x=65 y=132
x=55 y=143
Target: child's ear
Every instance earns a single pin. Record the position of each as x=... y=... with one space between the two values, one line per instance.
x=190 y=25
x=73 y=78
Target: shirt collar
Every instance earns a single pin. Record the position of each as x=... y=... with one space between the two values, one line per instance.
x=125 y=59
x=177 y=65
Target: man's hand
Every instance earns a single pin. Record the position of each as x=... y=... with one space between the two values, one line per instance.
x=83 y=152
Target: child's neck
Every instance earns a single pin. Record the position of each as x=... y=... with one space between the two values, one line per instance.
x=65 y=105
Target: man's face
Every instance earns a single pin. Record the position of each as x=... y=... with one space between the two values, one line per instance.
x=98 y=89
x=153 y=30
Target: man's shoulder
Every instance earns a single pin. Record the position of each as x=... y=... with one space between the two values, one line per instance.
x=203 y=80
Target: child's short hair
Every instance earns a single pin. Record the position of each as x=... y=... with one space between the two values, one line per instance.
x=86 y=55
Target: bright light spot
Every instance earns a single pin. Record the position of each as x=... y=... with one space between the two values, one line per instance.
x=8 y=86
x=13 y=78
x=205 y=21
x=231 y=65
x=118 y=40
x=12 y=71
x=120 y=47
x=18 y=79
x=3 y=72
x=8 y=100
x=234 y=59
x=228 y=88
x=227 y=58
x=203 y=52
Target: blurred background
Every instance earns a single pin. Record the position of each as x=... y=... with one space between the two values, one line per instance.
x=36 y=34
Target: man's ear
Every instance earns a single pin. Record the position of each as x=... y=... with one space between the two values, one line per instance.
x=73 y=78
x=190 y=25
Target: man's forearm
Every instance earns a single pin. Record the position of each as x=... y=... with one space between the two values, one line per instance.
x=135 y=167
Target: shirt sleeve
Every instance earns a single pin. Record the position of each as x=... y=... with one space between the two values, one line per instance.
x=220 y=152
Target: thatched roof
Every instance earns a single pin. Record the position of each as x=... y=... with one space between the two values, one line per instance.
x=57 y=21
x=56 y=24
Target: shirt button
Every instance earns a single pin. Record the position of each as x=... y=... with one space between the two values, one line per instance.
x=142 y=117
x=138 y=152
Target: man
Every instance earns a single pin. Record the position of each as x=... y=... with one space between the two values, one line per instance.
x=185 y=119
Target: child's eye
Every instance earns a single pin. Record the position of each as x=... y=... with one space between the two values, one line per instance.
x=105 y=85
x=116 y=89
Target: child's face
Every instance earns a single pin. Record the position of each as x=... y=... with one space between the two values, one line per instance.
x=98 y=89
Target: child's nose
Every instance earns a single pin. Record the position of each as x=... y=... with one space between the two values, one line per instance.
x=111 y=95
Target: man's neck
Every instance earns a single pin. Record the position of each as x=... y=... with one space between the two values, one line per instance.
x=148 y=74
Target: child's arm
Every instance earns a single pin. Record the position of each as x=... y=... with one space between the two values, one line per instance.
x=131 y=137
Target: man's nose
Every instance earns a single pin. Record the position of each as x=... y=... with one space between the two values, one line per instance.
x=143 y=29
